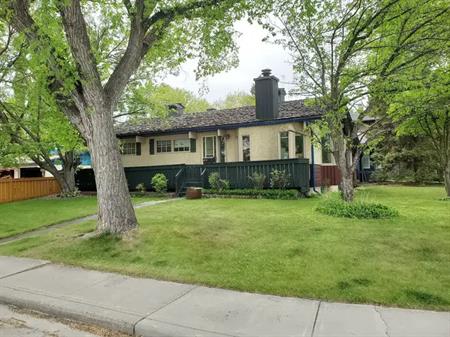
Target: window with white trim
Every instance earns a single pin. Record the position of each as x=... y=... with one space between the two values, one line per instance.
x=128 y=148
x=209 y=147
x=163 y=146
x=284 y=145
x=246 y=148
x=181 y=145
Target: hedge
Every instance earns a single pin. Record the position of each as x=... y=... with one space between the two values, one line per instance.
x=254 y=193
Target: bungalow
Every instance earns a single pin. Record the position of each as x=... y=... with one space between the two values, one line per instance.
x=271 y=135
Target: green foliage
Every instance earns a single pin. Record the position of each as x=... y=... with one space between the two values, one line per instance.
x=257 y=193
x=235 y=100
x=356 y=209
x=159 y=183
x=279 y=179
x=405 y=159
x=149 y=100
x=258 y=180
x=218 y=184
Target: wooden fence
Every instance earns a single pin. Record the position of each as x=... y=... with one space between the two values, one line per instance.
x=27 y=188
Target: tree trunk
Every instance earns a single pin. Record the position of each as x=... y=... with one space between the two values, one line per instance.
x=66 y=181
x=115 y=209
x=347 y=188
x=447 y=179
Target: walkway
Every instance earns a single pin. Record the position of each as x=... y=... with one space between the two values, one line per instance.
x=151 y=308
x=47 y=229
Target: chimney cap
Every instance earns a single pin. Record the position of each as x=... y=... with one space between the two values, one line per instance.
x=266 y=72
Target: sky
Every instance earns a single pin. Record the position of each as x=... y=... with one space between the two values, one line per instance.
x=254 y=55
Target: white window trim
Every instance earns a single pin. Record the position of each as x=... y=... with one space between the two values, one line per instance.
x=279 y=145
x=204 y=147
x=163 y=140
x=185 y=148
x=128 y=154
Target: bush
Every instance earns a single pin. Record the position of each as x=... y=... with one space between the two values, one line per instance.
x=257 y=194
x=159 y=183
x=279 y=179
x=218 y=184
x=258 y=180
x=356 y=209
x=141 y=188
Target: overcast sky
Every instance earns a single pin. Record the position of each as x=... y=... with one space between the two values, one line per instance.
x=254 y=55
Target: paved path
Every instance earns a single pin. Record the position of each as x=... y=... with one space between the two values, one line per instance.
x=151 y=308
x=47 y=229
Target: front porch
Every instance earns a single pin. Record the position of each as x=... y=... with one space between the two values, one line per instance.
x=303 y=176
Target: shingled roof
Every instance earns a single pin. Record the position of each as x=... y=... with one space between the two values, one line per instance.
x=216 y=119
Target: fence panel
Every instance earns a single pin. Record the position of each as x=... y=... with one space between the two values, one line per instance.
x=27 y=188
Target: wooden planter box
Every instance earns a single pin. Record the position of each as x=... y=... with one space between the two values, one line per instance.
x=193 y=193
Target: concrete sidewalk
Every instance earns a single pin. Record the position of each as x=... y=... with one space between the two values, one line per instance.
x=151 y=308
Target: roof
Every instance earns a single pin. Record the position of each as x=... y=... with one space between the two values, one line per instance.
x=216 y=119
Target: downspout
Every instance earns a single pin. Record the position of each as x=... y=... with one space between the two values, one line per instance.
x=313 y=175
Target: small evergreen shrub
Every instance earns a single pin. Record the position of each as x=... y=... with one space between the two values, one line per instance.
x=258 y=180
x=159 y=183
x=356 y=209
x=279 y=179
x=218 y=184
x=255 y=193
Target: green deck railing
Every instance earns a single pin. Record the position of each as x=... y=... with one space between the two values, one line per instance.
x=237 y=173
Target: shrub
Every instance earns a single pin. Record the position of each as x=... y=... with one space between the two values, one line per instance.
x=356 y=209
x=159 y=183
x=141 y=188
x=258 y=180
x=279 y=179
x=218 y=184
x=255 y=193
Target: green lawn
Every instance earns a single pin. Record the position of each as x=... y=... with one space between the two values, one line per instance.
x=23 y=216
x=279 y=247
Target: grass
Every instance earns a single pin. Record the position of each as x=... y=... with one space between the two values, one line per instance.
x=281 y=247
x=23 y=216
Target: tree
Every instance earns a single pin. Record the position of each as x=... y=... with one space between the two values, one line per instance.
x=90 y=50
x=342 y=49
x=235 y=100
x=421 y=109
x=149 y=100
x=30 y=125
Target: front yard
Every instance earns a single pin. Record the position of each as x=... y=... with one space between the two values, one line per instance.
x=23 y=216
x=279 y=247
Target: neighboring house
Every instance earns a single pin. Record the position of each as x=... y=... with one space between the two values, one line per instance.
x=272 y=134
x=28 y=169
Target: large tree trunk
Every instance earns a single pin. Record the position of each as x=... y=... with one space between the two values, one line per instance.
x=115 y=209
x=447 y=179
x=346 y=164
x=66 y=181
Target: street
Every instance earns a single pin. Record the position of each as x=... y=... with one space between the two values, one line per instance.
x=19 y=323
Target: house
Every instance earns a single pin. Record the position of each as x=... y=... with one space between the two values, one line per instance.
x=271 y=134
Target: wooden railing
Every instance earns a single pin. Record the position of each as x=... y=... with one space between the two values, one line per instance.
x=27 y=188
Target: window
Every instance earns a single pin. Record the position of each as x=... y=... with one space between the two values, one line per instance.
x=299 y=146
x=163 y=146
x=128 y=148
x=181 y=145
x=284 y=145
x=326 y=154
x=209 y=147
x=365 y=161
x=246 y=148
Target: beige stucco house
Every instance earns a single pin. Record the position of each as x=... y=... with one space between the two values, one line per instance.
x=272 y=130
